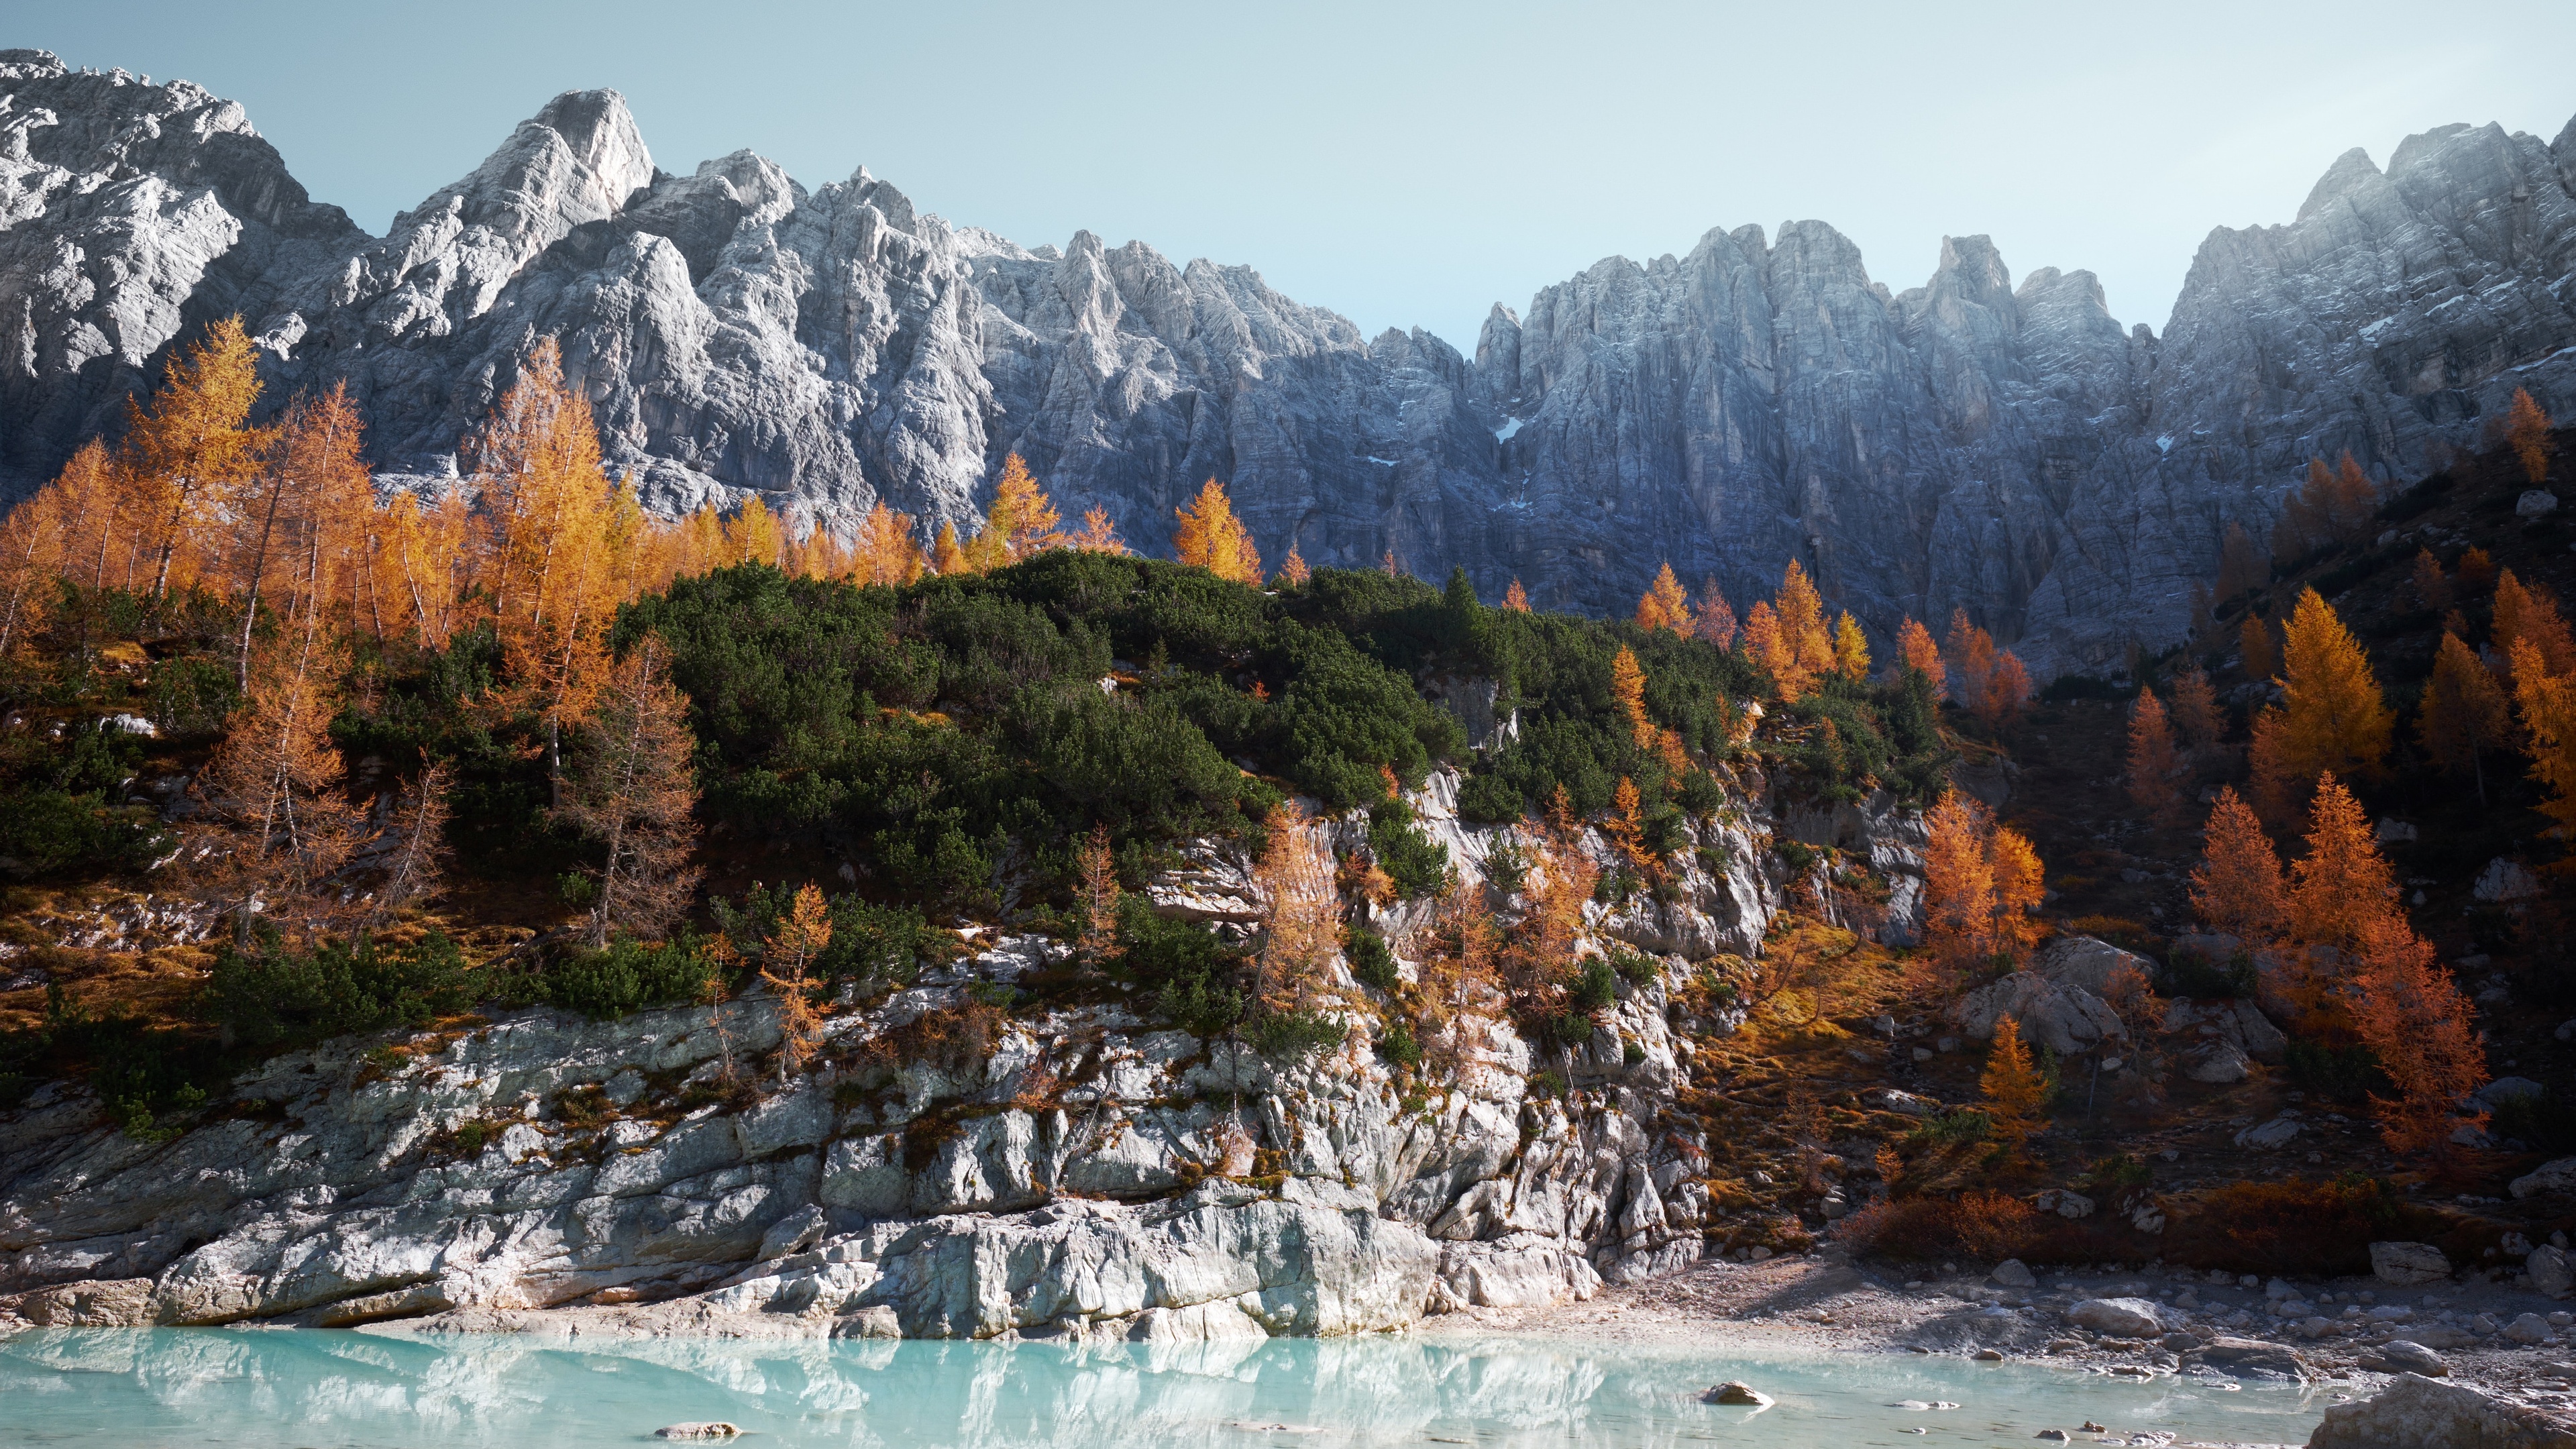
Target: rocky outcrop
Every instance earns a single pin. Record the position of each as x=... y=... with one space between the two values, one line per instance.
x=2414 y=1412
x=1078 y=1172
x=2006 y=447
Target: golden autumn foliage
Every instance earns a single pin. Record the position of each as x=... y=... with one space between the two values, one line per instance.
x=884 y=552
x=2530 y=612
x=1851 y=649
x=2237 y=889
x=2476 y=573
x=2431 y=586
x=787 y=952
x=2464 y=713
x=1295 y=571
x=2333 y=717
x=1664 y=605
x=632 y=788
x=2421 y=1028
x=189 y=448
x=2547 y=704
x=752 y=535
x=1713 y=618
x=2332 y=505
x=2262 y=658
x=1970 y=654
x=2526 y=431
x=1980 y=882
x=2195 y=710
x=1095 y=898
x=1301 y=917
x=1916 y=651
x=1515 y=598
x=2014 y=1091
x=1210 y=537
x=2007 y=693
x=1021 y=523
x=1628 y=687
x=1626 y=828
x=2155 y=766
x=947 y=559
x=1099 y=535
x=2342 y=886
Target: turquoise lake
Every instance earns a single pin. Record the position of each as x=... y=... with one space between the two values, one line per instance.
x=318 y=1389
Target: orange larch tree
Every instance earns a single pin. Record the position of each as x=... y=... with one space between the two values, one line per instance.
x=35 y=550
x=2262 y=658
x=1970 y=653
x=2342 y=885
x=1851 y=649
x=1915 y=650
x=2526 y=431
x=787 y=952
x=632 y=788
x=2237 y=889
x=1762 y=642
x=884 y=552
x=1020 y=524
x=2241 y=568
x=1714 y=618
x=2464 y=713
x=2476 y=574
x=1664 y=605
x=2015 y=1093
x=2007 y=693
x=2155 y=766
x=2020 y=886
x=1096 y=897
x=1515 y=598
x=2547 y=703
x=2333 y=717
x=2431 y=586
x=2195 y=710
x=191 y=447
x=2421 y=1028
x=1958 y=882
x=1210 y=537
x=2531 y=612
x=947 y=558
x=1803 y=628
x=1099 y=535
x=1628 y=687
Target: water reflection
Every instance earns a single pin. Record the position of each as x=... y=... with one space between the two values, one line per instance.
x=150 y=1387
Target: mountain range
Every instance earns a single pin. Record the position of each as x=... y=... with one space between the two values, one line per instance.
x=1969 y=443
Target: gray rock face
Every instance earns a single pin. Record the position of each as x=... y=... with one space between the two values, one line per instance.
x=1973 y=442
x=2417 y=1413
x=1091 y=1175
x=2408 y=1263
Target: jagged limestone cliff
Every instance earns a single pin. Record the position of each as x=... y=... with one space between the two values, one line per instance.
x=1970 y=442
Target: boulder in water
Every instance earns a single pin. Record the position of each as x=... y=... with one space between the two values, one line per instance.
x=698 y=1429
x=1734 y=1392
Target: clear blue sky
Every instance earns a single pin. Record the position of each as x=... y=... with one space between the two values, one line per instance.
x=1411 y=164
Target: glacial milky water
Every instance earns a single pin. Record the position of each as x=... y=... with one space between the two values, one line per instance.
x=319 y=1389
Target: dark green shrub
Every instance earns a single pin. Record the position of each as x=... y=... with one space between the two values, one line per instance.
x=1633 y=967
x=1291 y=1037
x=1597 y=987
x=2541 y=1122
x=629 y=976
x=1417 y=864
x=1186 y=973
x=1399 y=1046
x=1372 y=963
x=275 y=996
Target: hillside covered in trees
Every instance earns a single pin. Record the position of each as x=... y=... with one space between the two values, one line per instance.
x=285 y=758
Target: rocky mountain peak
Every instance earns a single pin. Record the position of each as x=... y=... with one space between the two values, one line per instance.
x=1967 y=443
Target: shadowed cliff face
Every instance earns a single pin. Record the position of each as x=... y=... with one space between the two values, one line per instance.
x=2009 y=449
